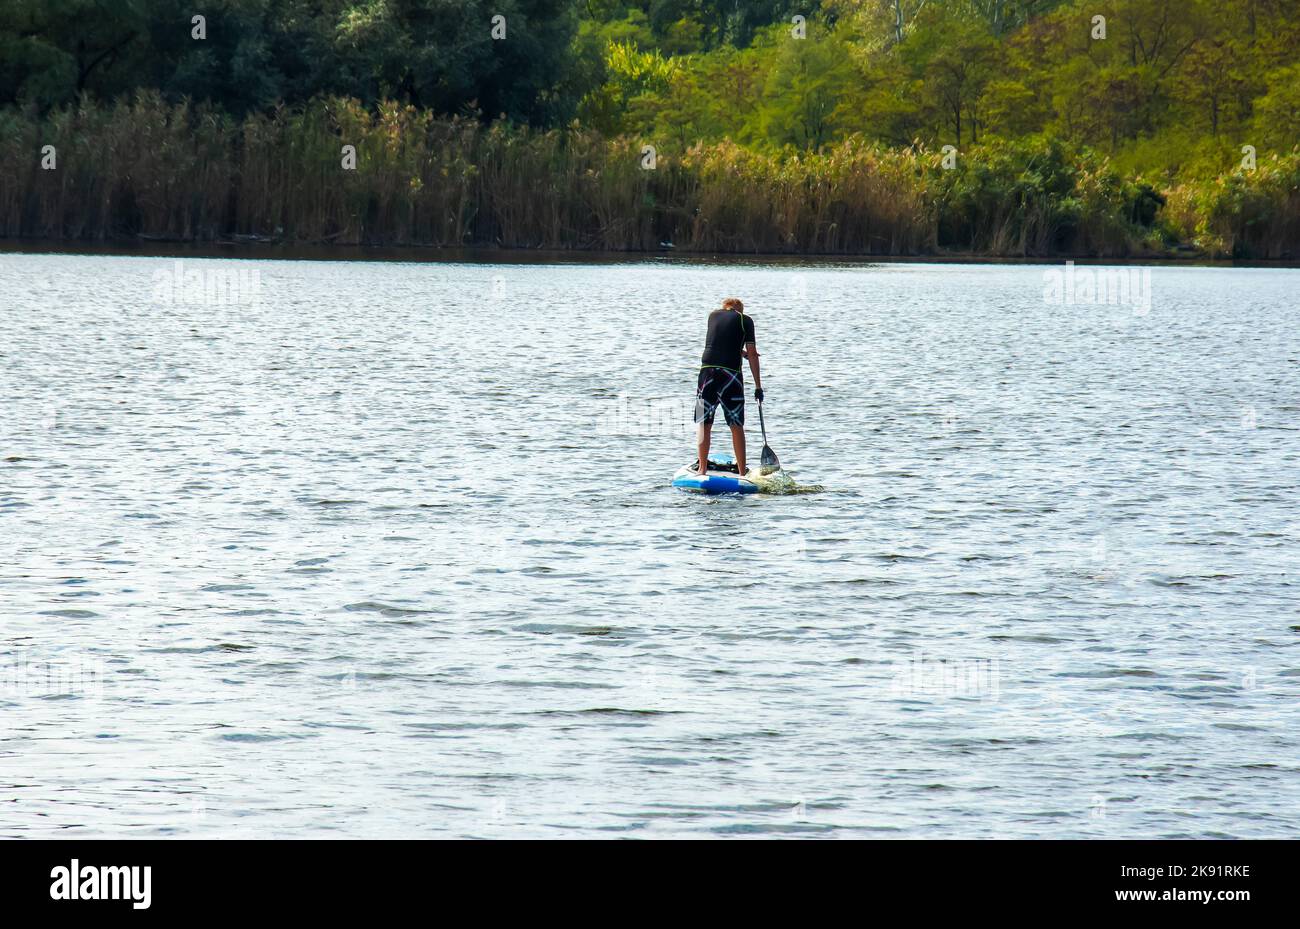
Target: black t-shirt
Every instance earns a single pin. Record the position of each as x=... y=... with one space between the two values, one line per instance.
x=728 y=333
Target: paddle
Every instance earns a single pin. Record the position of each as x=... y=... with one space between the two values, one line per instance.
x=767 y=461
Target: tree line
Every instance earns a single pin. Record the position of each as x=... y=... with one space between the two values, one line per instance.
x=1124 y=126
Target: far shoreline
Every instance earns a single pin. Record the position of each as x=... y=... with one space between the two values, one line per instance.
x=433 y=254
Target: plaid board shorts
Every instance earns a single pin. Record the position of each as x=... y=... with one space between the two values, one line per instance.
x=720 y=387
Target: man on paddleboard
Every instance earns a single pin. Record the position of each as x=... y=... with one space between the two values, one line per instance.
x=721 y=384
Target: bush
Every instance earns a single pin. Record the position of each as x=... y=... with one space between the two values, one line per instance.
x=1253 y=214
x=1041 y=198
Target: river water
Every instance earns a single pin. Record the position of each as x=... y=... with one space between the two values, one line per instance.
x=301 y=548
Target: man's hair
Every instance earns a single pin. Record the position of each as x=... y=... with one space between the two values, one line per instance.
x=733 y=303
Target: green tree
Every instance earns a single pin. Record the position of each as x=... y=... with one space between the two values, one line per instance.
x=56 y=49
x=1277 y=113
x=951 y=60
x=806 y=92
x=440 y=54
x=1011 y=109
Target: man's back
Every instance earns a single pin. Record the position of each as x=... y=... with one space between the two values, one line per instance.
x=729 y=330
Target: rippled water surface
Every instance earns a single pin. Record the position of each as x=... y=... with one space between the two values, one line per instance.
x=391 y=551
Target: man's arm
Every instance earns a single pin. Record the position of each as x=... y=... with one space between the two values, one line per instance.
x=751 y=352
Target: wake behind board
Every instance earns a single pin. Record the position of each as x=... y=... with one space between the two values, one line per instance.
x=720 y=478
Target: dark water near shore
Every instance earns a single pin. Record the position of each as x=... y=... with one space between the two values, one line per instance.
x=253 y=250
x=387 y=548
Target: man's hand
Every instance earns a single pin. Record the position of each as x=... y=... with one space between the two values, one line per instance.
x=758 y=394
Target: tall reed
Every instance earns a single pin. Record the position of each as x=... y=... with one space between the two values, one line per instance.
x=177 y=171
x=851 y=199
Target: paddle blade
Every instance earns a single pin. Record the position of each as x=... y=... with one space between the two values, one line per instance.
x=767 y=463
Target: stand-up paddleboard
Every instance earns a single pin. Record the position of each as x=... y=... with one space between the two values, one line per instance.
x=720 y=478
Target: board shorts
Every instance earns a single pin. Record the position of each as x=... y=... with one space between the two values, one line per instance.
x=720 y=387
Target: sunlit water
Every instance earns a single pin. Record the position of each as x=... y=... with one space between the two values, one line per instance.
x=391 y=551
x=780 y=481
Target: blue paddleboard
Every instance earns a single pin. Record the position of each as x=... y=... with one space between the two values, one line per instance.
x=713 y=482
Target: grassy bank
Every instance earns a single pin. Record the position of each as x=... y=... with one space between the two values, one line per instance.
x=180 y=173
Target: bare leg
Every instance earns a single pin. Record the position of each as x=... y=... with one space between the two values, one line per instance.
x=738 y=443
x=702 y=437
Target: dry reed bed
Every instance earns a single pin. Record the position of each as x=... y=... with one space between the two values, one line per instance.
x=182 y=172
